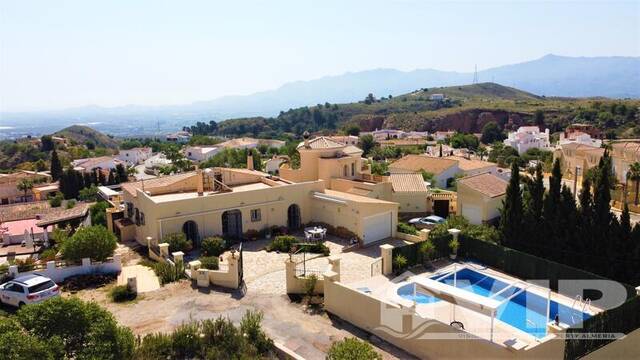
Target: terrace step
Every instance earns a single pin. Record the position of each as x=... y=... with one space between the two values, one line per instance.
x=147 y=279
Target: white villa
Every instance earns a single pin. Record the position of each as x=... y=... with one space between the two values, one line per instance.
x=200 y=153
x=135 y=156
x=578 y=137
x=528 y=137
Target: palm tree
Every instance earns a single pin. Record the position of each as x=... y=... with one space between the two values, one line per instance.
x=482 y=152
x=634 y=175
x=25 y=185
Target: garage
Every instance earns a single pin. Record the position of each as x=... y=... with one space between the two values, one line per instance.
x=377 y=227
x=472 y=213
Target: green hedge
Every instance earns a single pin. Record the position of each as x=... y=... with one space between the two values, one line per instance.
x=623 y=319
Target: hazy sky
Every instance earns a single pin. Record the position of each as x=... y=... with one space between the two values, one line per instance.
x=57 y=54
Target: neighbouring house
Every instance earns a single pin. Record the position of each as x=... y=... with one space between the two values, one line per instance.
x=272 y=166
x=200 y=153
x=135 y=156
x=623 y=154
x=593 y=131
x=250 y=143
x=345 y=139
x=26 y=230
x=416 y=134
x=528 y=137
x=436 y=97
x=403 y=143
x=42 y=187
x=344 y=170
x=443 y=169
x=579 y=137
x=229 y=202
x=480 y=197
x=36 y=220
x=576 y=158
x=443 y=135
x=385 y=134
x=407 y=188
x=155 y=162
x=100 y=163
x=474 y=166
x=180 y=137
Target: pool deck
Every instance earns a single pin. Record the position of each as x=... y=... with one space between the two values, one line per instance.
x=475 y=323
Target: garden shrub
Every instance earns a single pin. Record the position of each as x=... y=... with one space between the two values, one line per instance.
x=94 y=242
x=317 y=248
x=122 y=293
x=177 y=242
x=352 y=349
x=99 y=213
x=209 y=262
x=310 y=284
x=56 y=200
x=400 y=262
x=48 y=255
x=282 y=243
x=213 y=246
x=168 y=273
x=27 y=264
x=407 y=229
x=71 y=204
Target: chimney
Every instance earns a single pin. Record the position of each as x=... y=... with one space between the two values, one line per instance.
x=249 y=160
x=200 y=182
x=305 y=136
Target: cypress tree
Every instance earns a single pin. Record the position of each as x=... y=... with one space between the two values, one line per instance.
x=112 y=177
x=121 y=174
x=86 y=177
x=566 y=235
x=550 y=207
x=511 y=218
x=56 y=166
x=94 y=177
x=537 y=193
x=102 y=180
x=602 y=194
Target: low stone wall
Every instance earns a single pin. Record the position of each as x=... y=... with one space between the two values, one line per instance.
x=227 y=276
x=296 y=284
x=60 y=273
x=423 y=235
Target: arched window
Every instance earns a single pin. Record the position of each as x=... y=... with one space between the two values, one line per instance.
x=344 y=171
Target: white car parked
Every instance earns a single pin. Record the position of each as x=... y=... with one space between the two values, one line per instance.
x=28 y=289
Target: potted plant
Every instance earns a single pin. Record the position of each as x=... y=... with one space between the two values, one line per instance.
x=400 y=263
x=267 y=233
x=427 y=250
x=454 y=245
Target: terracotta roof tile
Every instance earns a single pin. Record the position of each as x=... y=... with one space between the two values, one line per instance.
x=322 y=142
x=131 y=187
x=408 y=183
x=485 y=183
x=62 y=214
x=434 y=165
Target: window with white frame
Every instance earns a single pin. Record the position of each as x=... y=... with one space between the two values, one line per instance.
x=255 y=215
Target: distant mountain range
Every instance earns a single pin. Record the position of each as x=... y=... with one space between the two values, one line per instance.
x=551 y=75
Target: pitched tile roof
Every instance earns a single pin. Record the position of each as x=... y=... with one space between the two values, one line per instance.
x=434 y=165
x=61 y=214
x=408 y=182
x=467 y=165
x=485 y=183
x=321 y=142
x=23 y=211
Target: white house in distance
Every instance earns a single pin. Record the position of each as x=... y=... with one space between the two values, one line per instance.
x=579 y=137
x=179 y=137
x=102 y=162
x=528 y=137
x=200 y=153
x=345 y=139
x=436 y=97
x=135 y=156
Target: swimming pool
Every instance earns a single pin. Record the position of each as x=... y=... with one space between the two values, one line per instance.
x=526 y=311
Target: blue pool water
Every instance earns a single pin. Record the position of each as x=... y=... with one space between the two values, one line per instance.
x=526 y=311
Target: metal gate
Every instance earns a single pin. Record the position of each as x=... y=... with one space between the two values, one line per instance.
x=376 y=267
x=240 y=265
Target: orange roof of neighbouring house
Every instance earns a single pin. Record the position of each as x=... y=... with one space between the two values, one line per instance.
x=23 y=211
x=321 y=142
x=408 y=183
x=434 y=165
x=486 y=184
x=468 y=165
x=60 y=214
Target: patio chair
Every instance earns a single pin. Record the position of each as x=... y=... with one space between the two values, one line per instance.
x=324 y=233
x=308 y=236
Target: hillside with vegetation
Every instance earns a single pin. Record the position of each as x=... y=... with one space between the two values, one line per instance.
x=79 y=134
x=465 y=109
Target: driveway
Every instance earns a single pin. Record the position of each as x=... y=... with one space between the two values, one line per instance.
x=307 y=333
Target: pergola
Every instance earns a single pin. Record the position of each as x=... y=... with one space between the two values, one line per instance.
x=468 y=300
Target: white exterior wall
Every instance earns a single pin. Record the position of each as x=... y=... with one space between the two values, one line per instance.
x=528 y=137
